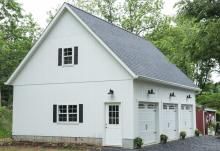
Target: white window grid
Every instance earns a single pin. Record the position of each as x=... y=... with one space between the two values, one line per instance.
x=68 y=113
x=67 y=56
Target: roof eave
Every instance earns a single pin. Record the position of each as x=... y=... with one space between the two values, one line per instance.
x=169 y=83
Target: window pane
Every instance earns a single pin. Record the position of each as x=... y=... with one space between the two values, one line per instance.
x=72 y=108
x=62 y=117
x=110 y=114
x=113 y=108
x=65 y=52
x=116 y=108
x=110 y=120
x=70 y=51
x=117 y=121
x=110 y=108
x=72 y=117
x=62 y=109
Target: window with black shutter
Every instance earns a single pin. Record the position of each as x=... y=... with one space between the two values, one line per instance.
x=68 y=113
x=66 y=56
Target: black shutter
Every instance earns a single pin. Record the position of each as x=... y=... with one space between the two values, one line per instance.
x=60 y=57
x=54 y=113
x=75 y=55
x=80 y=113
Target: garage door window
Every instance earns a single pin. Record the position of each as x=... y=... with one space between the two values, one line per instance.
x=141 y=106
x=172 y=107
x=165 y=107
x=151 y=106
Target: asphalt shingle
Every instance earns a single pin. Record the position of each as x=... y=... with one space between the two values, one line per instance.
x=140 y=55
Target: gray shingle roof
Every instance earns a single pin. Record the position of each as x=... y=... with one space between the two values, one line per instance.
x=141 y=56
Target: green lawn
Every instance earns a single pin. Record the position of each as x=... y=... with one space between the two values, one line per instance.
x=5 y=122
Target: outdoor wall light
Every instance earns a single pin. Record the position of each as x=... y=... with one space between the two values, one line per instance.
x=150 y=91
x=188 y=96
x=172 y=94
x=110 y=92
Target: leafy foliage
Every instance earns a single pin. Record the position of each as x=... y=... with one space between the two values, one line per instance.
x=163 y=138
x=17 y=33
x=141 y=17
x=182 y=134
x=5 y=122
x=197 y=132
x=211 y=100
x=138 y=142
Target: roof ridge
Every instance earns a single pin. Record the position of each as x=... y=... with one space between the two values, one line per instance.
x=106 y=21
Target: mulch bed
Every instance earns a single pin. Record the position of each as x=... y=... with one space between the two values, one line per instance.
x=10 y=142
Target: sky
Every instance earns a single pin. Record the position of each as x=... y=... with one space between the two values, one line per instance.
x=39 y=9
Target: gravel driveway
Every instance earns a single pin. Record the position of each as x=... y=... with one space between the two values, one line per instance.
x=203 y=143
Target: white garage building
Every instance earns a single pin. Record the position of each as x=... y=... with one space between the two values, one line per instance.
x=88 y=81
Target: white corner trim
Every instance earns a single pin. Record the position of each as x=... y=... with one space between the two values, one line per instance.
x=46 y=31
x=31 y=52
x=102 y=43
x=169 y=83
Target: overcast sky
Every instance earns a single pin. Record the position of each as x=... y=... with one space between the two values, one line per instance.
x=39 y=9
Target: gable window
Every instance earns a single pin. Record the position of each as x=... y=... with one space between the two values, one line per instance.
x=68 y=113
x=67 y=56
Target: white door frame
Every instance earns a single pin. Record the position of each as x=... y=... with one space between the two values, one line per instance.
x=106 y=118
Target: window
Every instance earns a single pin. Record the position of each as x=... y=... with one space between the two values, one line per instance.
x=67 y=113
x=67 y=56
x=164 y=107
x=141 y=105
x=114 y=114
x=151 y=106
x=172 y=107
x=182 y=107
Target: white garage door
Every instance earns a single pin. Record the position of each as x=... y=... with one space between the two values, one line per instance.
x=186 y=119
x=170 y=120
x=148 y=115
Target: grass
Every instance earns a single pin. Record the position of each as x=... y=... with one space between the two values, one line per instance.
x=5 y=122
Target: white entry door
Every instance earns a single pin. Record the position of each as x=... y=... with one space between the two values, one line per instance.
x=113 y=125
x=170 y=120
x=148 y=113
x=187 y=119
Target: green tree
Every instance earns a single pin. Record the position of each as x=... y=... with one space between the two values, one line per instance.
x=141 y=17
x=17 y=33
x=108 y=9
x=173 y=37
x=207 y=14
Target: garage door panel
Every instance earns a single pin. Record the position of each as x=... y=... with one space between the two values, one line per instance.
x=187 y=119
x=147 y=122
x=170 y=120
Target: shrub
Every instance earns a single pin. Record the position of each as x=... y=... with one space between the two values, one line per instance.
x=163 y=138
x=197 y=132
x=182 y=135
x=138 y=142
